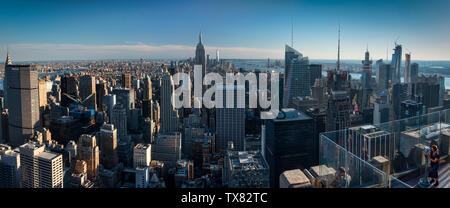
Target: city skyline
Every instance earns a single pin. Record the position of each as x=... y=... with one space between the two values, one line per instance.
x=81 y=30
x=305 y=94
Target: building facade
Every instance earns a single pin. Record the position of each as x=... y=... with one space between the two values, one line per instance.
x=23 y=94
x=88 y=151
x=40 y=169
x=288 y=142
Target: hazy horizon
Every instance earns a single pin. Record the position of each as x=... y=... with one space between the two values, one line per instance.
x=328 y=61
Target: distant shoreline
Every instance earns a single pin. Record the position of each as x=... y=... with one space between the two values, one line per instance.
x=324 y=61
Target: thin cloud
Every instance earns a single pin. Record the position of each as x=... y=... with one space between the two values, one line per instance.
x=24 y=51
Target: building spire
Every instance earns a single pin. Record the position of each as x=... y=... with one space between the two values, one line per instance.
x=8 y=58
x=200 y=36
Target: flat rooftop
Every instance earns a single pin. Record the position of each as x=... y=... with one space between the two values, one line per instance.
x=48 y=155
x=141 y=146
x=31 y=145
x=428 y=131
x=289 y=114
x=295 y=176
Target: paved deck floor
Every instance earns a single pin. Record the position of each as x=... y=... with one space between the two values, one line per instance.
x=444 y=177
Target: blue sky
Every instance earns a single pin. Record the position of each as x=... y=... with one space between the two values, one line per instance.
x=81 y=29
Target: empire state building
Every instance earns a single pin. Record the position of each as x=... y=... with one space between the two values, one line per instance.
x=200 y=57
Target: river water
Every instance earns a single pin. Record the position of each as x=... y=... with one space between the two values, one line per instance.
x=51 y=74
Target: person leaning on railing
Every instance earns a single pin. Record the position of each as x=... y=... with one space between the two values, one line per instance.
x=433 y=157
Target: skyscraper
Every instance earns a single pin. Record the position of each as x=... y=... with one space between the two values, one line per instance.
x=316 y=73
x=108 y=146
x=148 y=130
x=40 y=169
x=87 y=91
x=119 y=119
x=230 y=122
x=297 y=76
x=399 y=94
x=42 y=85
x=100 y=91
x=142 y=155
x=5 y=91
x=414 y=72
x=318 y=92
x=217 y=56
x=381 y=108
x=125 y=96
x=9 y=167
x=126 y=80
x=396 y=63
x=69 y=90
x=169 y=115
x=288 y=142
x=383 y=75
x=411 y=108
x=142 y=178
x=429 y=90
x=147 y=88
x=338 y=111
x=410 y=72
x=407 y=77
x=23 y=95
x=367 y=71
x=147 y=108
x=167 y=148
x=200 y=55
x=365 y=79
x=191 y=132
x=109 y=101
x=88 y=151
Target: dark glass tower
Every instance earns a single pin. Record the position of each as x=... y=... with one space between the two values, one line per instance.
x=23 y=99
x=396 y=63
x=288 y=143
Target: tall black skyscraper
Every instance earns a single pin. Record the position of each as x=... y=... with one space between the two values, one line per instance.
x=288 y=143
x=23 y=94
x=316 y=73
